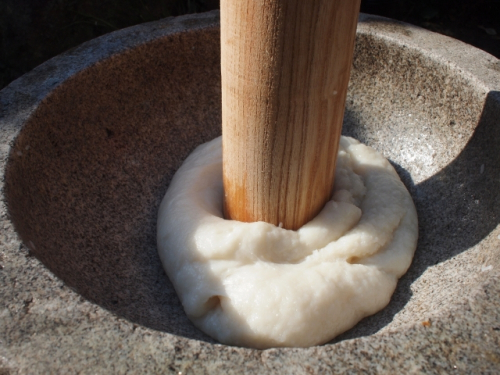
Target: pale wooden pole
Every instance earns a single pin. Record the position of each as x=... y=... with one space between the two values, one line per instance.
x=285 y=71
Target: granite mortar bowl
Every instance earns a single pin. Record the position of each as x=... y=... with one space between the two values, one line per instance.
x=92 y=138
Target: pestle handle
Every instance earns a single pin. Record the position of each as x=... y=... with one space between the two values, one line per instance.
x=285 y=71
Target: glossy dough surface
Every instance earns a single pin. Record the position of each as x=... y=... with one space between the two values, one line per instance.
x=258 y=285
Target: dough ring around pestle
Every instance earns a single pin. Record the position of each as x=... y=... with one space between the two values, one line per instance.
x=261 y=286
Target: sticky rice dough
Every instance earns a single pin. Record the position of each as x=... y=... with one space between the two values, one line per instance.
x=261 y=286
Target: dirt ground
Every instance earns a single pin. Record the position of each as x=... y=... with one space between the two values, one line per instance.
x=32 y=31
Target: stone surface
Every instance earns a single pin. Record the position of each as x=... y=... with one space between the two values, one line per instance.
x=91 y=138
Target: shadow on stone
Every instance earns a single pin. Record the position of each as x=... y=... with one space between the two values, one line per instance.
x=457 y=208
x=88 y=170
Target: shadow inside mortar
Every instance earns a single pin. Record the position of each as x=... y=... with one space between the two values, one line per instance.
x=457 y=208
x=87 y=173
x=86 y=176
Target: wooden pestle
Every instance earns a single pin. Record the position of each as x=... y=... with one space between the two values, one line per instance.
x=285 y=71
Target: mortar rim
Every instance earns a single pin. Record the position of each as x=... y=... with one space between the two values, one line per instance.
x=36 y=99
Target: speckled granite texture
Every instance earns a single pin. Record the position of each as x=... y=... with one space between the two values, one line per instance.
x=90 y=140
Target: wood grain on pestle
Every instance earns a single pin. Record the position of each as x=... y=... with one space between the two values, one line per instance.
x=285 y=71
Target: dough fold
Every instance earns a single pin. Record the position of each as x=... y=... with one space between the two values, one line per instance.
x=261 y=286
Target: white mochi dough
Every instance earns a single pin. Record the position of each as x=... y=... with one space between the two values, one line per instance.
x=261 y=286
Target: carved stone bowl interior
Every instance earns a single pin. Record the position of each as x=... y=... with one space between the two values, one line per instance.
x=91 y=162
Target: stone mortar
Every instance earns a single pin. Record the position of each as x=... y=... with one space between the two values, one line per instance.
x=91 y=139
